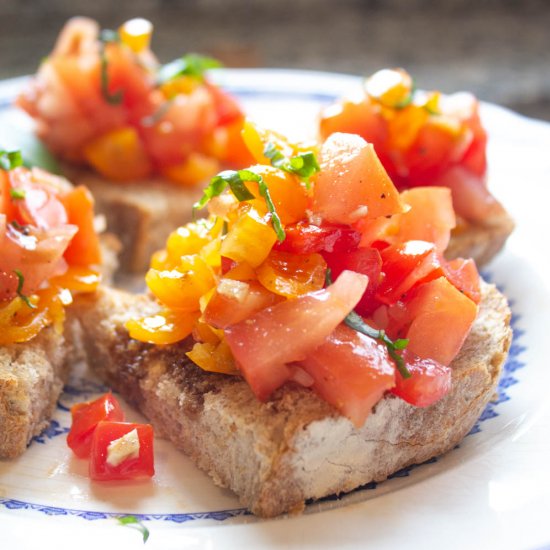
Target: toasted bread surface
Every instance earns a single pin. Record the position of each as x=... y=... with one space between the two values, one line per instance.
x=32 y=375
x=480 y=241
x=278 y=454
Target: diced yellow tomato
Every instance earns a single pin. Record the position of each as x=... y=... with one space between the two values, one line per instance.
x=213 y=357
x=78 y=279
x=289 y=195
x=405 y=125
x=241 y=272
x=182 y=85
x=256 y=139
x=84 y=248
x=192 y=238
x=182 y=288
x=166 y=327
x=292 y=275
x=21 y=323
x=390 y=87
x=196 y=168
x=250 y=239
x=136 y=34
x=236 y=152
x=119 y=155
x=203 y=332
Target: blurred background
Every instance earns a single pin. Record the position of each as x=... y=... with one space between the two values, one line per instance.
x=500 y=50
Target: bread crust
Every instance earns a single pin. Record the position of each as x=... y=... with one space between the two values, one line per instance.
x=480 y=241
x=32 y=375
x=295 y=447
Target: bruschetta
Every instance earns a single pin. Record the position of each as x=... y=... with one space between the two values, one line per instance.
x=309 y=336
x=426 y=138
x=140 y=135
x=49 y=251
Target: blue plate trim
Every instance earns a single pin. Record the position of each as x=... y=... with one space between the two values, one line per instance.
x=219 y=515
x=86 y=388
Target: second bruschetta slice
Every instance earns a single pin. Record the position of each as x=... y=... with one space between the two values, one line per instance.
x=142 y=136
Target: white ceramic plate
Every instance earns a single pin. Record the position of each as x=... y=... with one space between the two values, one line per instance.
x=493 y=491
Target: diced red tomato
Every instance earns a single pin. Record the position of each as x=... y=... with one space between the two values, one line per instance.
x=84 y=249
x=366 y=261
x=306 y=238
x=133 y=467
x=351 y=372
x=40 y=205
x=464 y=276
x=404 y=265
x=6 y=204
x=471 y=198
x=86 y=417
x=428 y=383
x=265 y=343
x=441 y=318
x=430 y=218
x=352 y=183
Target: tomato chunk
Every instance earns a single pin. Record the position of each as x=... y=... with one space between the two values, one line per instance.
x=86 y=417
x=404 y=265
x=366 y=261
x=306 y=238
x=115 y=458
x=442 y=318
x=352 y=183
x=351 y=372
x=265 y=343
x=428 y=383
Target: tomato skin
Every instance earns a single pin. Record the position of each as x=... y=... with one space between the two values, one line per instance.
x=307 y=238
x=132 y=468
x=265 y=343
x=464 y=276
x=441 y=318
x=352 y=183
x=86 y=417
x=84 y=248
x=404 y=265
x=351 y=372
x=428 y=383
x=224 y=310
x=366 y=261
x=430 y=218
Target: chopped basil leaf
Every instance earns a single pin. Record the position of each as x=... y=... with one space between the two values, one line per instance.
x=304 y=165
x=192 y=64
x=355 y=322
x=108 y=36
x=236 y=180
x=17 y=194
x=10 y=159
x=132 y=521
x=20 y=283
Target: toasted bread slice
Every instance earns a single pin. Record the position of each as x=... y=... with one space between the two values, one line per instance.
x=480 y=241
x=32 y=375
x=278 y=454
